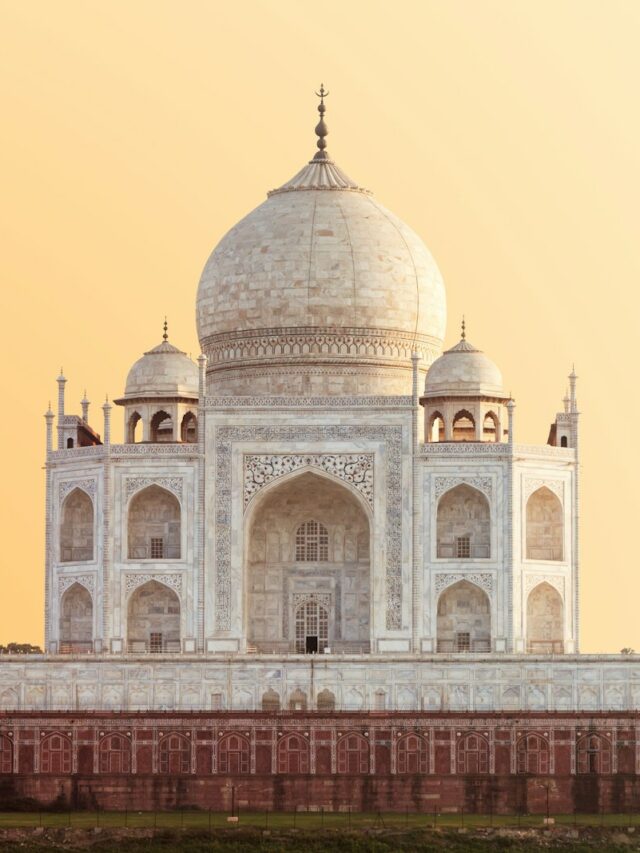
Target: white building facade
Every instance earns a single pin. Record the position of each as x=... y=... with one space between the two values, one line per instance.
x=323 y=486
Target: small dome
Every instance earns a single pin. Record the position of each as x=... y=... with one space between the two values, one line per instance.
x=164 y=371
x=463 y=371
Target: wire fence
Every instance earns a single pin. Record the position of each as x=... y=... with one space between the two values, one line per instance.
x=313 y=819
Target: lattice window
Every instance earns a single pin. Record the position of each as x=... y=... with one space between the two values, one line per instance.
x=353 y=754
x=412 y=756
x=155 y=642
x=293 y=754
x=312 y=620
x=312 y=542
x=55 y=754
x=233 y=754
x=532 y=754
x=114 y=754
x=6 y=754
x=593 y=754
x=174 y=754
x=472 y=754
x=463 y=547
x=157 y=548
x=463 y=641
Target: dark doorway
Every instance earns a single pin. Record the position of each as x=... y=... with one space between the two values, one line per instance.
x=311 y=646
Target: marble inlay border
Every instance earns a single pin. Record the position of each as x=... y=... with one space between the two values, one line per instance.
x=390 y=435
x=354 y=468
x=444 y=484
x=556 y=581
x=88 y=486
x=555 y=486
x=171 y=484
x=444 y=579
x=134 y=580
x=66 y=581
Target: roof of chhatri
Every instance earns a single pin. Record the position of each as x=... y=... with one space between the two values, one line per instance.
x=463 y=371
x=164 y=371
x=321 y=252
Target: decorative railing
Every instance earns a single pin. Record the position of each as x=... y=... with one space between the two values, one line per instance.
x=453 y=647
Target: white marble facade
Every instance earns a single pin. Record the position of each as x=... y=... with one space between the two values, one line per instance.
x=313 y=490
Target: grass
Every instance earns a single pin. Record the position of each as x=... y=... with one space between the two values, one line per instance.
x=302 y=821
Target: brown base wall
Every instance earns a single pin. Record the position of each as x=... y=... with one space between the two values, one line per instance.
x=395 y=761
x=497 y=795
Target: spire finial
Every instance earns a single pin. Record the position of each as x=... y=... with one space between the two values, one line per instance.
x=321 y=128
x=464 y=329
x=165 y=333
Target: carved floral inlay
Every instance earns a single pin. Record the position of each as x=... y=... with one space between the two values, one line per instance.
x=88 y=486
x=555 y=486
x=482 y=579
x=171 y=484
x=556 y=581
x=354 y=468
x=443 y=484
x=133 y=581
x=66 y=581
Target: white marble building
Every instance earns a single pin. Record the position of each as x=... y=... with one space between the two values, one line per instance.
x=325 y=487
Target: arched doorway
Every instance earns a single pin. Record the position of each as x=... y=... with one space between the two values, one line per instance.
x=308 y=568
x=464 y=619
x=545 y=622
x=153 y=623
x=76 y=620
x=76 y=528
x=463 y=524
x=153 y=525
x=544 y=526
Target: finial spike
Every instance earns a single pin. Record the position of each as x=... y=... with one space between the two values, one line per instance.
x=464 y=329
x=321 y=128
x=165 y=330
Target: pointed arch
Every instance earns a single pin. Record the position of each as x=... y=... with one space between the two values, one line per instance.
x=234 y=754
x=271 y=700
x=491 y=427
x=326 y=700
x=76 y=620
x=353 y=754
x=174 y=754
x=412 y=755
x=293 y=754
x=134 y=428
x=593 y=754
x=153 y=619
x=189 y=428
x=472 y=754
x=463 y=524
x=532 y=754
x=545 y=620
x=55 y=754
x=162 y=427
x=545 y=526
x=464 y=619
x=435 y=428
x=114 y=754
x=154 y=525
x=76 y=527
x=464 y=426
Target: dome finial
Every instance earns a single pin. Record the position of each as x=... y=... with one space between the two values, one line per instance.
x=464 y=329
x=165 y=327
x=321 y=128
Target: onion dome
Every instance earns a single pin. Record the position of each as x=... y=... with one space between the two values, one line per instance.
x=319 y=290
x=164 y=371
x=463 y=371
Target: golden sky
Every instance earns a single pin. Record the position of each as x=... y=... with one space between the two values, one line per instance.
x=135 y=133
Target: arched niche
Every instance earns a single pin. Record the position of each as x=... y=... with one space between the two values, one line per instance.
x=435 y=429
x=153 y=525
x=189 y=428
x=545 y=620
x=307 y=547
x=545 y=527
x=491 y=427
x=76 y=528
x=463 y=524
x=162 y=428
x=464 y=426
x=153 y=619
x=464 y=619
x=134 y=428
x=76 y=620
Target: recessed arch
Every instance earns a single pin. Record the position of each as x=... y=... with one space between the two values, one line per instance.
x=174 y=754
x=162 y=427
x=326 y=700
x=154 y=525
x=153 y=619
x=545 y=526
x=435 y=428
x=189 y=428
x=293 y=754
x=285 y=569
x=114 y=753
x=352 y=754
x=464 y=619
x=491 y=427
x=463 y=524
x=545 y=620
x=234 y=754
x=532 y=754
x=76 y=620
x=472 y=754
x=593 y=754
x=271 y=700
x=76 y=527
x=134 y=428
x=55 y=754
x=464 y=426
x=412 y=754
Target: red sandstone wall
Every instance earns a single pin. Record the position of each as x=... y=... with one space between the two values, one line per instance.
x=422 y=762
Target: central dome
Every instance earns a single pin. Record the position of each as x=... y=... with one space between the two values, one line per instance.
x=319 y=291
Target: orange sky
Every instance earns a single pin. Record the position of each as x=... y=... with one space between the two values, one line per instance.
x=505 y=133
